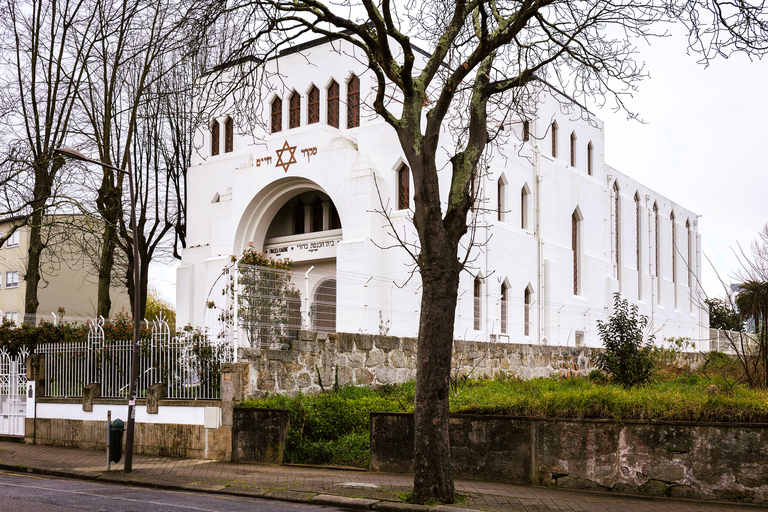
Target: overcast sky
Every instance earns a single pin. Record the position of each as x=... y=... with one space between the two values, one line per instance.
x=700 y=147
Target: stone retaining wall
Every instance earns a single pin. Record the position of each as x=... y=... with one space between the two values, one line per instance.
x=315 y=360
x=679 y=460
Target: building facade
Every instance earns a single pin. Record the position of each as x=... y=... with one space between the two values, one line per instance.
x=69 y=278
x=322 y=180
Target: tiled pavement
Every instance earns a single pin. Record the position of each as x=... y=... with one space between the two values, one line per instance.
x=358 y=489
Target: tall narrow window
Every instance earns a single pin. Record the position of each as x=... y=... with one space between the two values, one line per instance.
x=229 y=135
x=524 y=194
x=502 y=199
x=313 y=105
x=298 y=218
x=294 y=110
x=526 y=130
x=689 y=263
x=333 y=104
x=657 y=243
x=504 y=307
x=573 y=149
x=616 y=233
x=527 y=312
x=317 y=215
x=553 y=129
x=277 y=115
x=637 y=248
x=589 y=158
x=575 y=249
x=214 y=138
x=353 y=102
x=403 y=186
x=674 y=247
x=477 y=291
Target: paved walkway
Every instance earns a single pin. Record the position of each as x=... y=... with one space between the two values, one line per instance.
x=355 y=489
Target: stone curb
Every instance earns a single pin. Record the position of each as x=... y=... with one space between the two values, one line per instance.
x=343 y=501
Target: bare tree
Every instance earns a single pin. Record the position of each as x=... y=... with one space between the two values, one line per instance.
x=481 y=57
x=44 y=51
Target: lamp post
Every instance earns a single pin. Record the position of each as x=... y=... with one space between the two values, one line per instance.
x=129 y=431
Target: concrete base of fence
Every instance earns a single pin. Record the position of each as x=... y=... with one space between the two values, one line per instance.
x=90 y=392
x=679 y=460
x=260 y=435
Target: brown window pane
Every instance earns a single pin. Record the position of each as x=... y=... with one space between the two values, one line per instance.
x=575 y=249
x=527 y=312
x=353 y=102
x=573 y=149
x=313 y=106
x=333 y=104
x=554 y=140
x=214 y=138
x=229 y=135
x=589 y=158
x=294 y=111
x=504 y=308
x=403 y=182
x=298 y=218
x=317 y=215
x=277 y=115
x=526 y=131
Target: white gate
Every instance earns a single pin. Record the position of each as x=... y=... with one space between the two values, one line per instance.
x=13 y=392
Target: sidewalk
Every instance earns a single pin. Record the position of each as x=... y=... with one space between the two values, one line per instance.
x=346 y=488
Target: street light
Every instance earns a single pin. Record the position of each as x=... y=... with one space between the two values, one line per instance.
x=129 y=431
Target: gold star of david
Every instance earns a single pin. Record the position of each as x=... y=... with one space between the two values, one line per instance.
x=280 y=162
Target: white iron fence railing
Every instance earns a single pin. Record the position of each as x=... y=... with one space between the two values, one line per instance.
x=189 y=364
x=732 y=342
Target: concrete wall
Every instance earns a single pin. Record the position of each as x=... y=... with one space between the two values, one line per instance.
x=260 y=435
x=679 y=460
x=373 y=359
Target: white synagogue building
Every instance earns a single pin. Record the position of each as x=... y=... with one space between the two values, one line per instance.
x=557 y=231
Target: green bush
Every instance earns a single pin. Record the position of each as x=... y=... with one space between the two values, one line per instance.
x=627 y=359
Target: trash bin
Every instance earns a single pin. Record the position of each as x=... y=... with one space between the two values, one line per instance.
x=116 y=440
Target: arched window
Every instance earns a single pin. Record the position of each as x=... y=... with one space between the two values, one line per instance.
x=616 y=233
x=689 y=263
x=553 y=129
x=403 y=188
x=229 y=135
x=674 y=256
x=573 y=149
x=477 y=295
x=657 y=243
x=313 y=105
x=325 y=306
x=527 y=311
x=575 y=221
x=214 y=137
x=298 y=218
x=524 y=195
x=502 y=199
x=526 y=130
x=589 y=158
x=333 y=104
x=637 y=247
x=294 y=110
x=353 y=102
x=504 y=307
x=277 y=115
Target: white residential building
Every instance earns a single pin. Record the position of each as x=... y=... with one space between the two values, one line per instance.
x=558 y=231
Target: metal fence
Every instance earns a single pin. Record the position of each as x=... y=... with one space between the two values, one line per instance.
x=732 y=342
x=189 y=364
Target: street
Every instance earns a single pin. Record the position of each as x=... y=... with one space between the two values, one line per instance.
x=33 y=493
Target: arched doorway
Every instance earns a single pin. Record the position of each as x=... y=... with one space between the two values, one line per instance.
x=324 y=315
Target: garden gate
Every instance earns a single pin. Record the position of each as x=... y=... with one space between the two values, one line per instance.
x=13 y=392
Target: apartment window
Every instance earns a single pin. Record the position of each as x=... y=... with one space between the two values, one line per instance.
x=277 y=115
x=229 y=135
x=527 y=312
x=589 y=158
x=575 y=248
x=12 y=279
x=504 y=307
x=573 y=149
x=477 y=291
x=13 y=240
x=553 y=129
x=294 y=110
x=526 y=131
x=214 y=138
x=333 y=104
x=11 y=316
x=313 y=105
x=403 y=185
x=616 y=232
x=353 y=102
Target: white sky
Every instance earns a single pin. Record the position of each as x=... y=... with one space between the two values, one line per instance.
x=700 y=148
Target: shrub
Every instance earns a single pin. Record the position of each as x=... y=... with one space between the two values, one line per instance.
x=627 y=359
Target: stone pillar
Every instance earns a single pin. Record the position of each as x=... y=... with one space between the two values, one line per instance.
x=90 y=392
x=155 y=393
x=35 y=388
x=234 y=387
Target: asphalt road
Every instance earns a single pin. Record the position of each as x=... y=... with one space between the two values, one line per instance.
x=32 y=493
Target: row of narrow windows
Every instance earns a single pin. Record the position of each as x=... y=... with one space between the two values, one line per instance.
x=527 y=294
x=332 y=108
x=554 y=131
x=229 y=136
